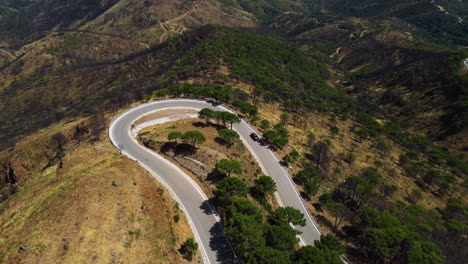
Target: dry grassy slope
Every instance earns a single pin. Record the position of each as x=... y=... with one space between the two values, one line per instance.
x=60 y=49
x=164 y=19
x=122 y=29
x=151 y=21
x=99 y=207
x=5 y=57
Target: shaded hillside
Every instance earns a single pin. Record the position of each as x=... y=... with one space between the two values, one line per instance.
x=151 y=21
x=68 y=84
x=395 y=72
x=440 y=20
x=35 y=17
x=265 y=9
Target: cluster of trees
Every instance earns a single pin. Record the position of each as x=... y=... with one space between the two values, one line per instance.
x=428 y=177
x=293 y=155
x=396 y=236
x=228 y=166
x=362 y=191
x=218 y=92
x=221 y=117
x=278 y=136
x=228 y=136
x=191 y=137
x=294 y=78
x=274 y=68
x=245 y=107
x=283 y=74
x=273 y=240
x=393 y=232
x=416 y=144
x=309 y=179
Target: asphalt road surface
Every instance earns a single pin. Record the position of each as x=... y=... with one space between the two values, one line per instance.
x=204 y=222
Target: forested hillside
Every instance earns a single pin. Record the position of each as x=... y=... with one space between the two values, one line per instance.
x=365 y=102
x=123 y=80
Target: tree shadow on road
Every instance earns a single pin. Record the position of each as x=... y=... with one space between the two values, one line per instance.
x=207 y=207
x=220 y=244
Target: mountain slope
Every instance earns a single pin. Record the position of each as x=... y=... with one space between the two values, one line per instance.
x=438 y=20
x=68 y=208
x=404 y=77
x=358 y=86
x=39 y=76
x=151 y=21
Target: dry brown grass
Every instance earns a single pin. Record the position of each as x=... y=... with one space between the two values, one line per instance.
x=99 y=207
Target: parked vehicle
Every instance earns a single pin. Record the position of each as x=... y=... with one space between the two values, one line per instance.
x=254 y=137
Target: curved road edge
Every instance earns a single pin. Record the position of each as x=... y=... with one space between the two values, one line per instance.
x=287 y=194
x=207 y=258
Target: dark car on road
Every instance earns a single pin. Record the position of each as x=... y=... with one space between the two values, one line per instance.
x=254 y=137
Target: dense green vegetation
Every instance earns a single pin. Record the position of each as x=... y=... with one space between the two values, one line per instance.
x=394 y=235
x=273 y=67
x=273 y=241
x=410 y=233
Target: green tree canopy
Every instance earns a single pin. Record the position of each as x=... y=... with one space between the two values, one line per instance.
x=286 y=215
x=193 y=137
x=264 y=185
x=425 y=252
x=314 y=255
x=226 y=117
x=174 y=135
x=334 y=130
x=281 y=237
x=265 y=124
x=306 y=175
x=244 y=207
x=207 y=114
x=228 y=166
x=188 y=249
x=311 y=188
x=229 y=118
x=229 y=136
x=228 y=188
x=278 y=136
x=245 y=232
x=268 y=255
x=161 y=93
x=331 y=242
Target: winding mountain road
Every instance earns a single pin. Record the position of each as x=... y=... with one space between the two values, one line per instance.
x=204 y=222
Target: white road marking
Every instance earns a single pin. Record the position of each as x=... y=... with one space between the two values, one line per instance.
x=192 y=182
